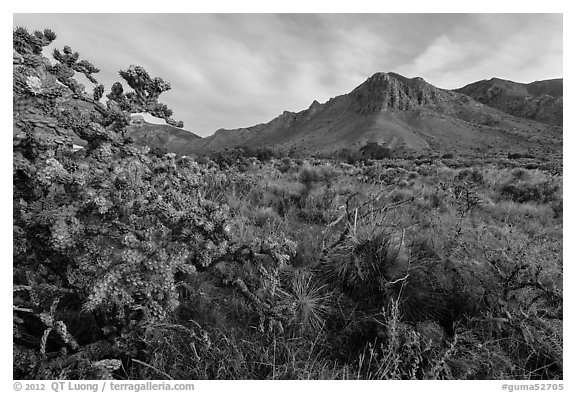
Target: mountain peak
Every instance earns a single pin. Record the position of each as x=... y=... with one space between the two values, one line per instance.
x=392 y=91
x=314 y=106
x=386 y=76
x=380 y=75
x=394 y=75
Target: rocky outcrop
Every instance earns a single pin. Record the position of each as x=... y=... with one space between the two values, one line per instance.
x=392 y=91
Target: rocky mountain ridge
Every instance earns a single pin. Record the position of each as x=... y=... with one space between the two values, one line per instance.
x=541 y=101
x=400 y=112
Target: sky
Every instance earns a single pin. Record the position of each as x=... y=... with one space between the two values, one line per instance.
x=239 y=70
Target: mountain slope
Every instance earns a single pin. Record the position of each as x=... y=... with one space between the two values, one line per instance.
x=540 y=101
x=400 y=112
x=163 y=136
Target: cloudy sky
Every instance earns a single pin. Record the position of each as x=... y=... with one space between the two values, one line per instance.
x=238 y=70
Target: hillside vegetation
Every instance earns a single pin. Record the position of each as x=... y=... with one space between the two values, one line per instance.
x=248 y=264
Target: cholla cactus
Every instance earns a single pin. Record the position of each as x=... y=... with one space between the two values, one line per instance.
x=26 y=43
x=98 y=92
x=144 y=97
x=112 y=227
x=68 y=64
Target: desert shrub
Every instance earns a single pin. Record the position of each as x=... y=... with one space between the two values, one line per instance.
x=519 y=174
x=400 y=195
x=471 y=175
x=374 y=151
x=255 y=269
x=241 y=153
x=263 y=154
x=423 y=161
x=466 y=193
x=241 y=158
x=406 y=351
x=308 y=249
x=348 y=156
x=554 y=167
x=310 y=176
x=158 y=151
x=264 y=217
x=285 y=165
x=516 y=156
x=522 y=192
x=558 y=208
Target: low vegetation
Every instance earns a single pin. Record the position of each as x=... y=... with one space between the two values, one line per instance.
x=132 y=264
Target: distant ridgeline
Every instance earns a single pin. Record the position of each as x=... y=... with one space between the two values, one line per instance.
x=409 y=115
x=541 y=101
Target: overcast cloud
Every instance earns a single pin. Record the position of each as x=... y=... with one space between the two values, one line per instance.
x=238 y=70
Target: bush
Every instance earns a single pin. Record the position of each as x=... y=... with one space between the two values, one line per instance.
x=470 y=175
x=108 y=231
x=285 y=165
x=374 y=151
x=515 y=156
x=523 y=192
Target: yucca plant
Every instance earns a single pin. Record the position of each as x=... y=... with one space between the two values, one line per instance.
x=364 y=260
x=374 y=269
x=311 y=303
